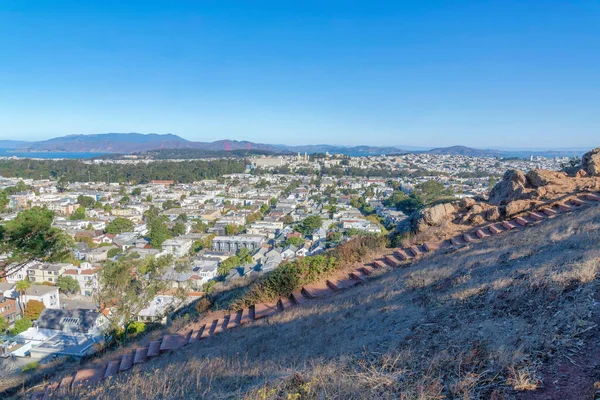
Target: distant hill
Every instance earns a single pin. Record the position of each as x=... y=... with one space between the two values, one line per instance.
x=110 y=143
x=347 y=150
x=13 y=144
x=465 y=151
x=127 y=143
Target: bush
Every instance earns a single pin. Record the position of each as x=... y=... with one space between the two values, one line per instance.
x=32 y=366
x=21 y=325
x=136 y=328
x=33 y=309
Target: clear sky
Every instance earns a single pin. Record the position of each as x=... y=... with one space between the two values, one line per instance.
x=399 y=72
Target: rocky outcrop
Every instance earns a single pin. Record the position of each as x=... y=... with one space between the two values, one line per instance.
x=433 y=217
x=541 y=177
x=511 y=187
x=590 y=162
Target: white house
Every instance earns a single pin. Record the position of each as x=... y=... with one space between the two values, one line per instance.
x=177 y=247
x=46 y=294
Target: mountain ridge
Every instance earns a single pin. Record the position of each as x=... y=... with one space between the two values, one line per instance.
x=125 y=143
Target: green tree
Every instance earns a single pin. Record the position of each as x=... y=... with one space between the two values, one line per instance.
x=129 y=285
x=3 y=325
x=288 y=219
x=107 y=208
x=182 y=217
x=244 y=255
x=62 y=185
x=158 y=232
x=31 y=237
x=33 y=309
x=199 y=226
x=3 y=200
x=124 y=200
x=431 y=191
x=86 y=201
x=178 y=229
x=231 y=229
x=228 y=264
x=119 y=225
x=79 y=214
x=309 y=224
x=295 y=241
x=113 y=252
x=21 y=325
x=136 y=192
x=149 y=198
x=67 y=284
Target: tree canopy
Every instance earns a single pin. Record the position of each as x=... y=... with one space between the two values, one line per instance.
x=67 y=284
x=31 y=237
x=119 y=225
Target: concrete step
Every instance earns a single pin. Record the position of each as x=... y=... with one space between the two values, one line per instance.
x=548 y=211
x=378 y=264
x=217 y=327
x=298 y=297
x=402 y=255
x=367 y=269
x=494 y=230
x=391 y=260
x=286 y=303
x=481 y=234
x=172 y=342
x=508 y=225
x=591 y=197
x=341 y=284
x=535 y=216
x=431 y=246
x=112 y=368
x=88 y=376
x=140 y=355
x=126 y=362
x=316 y=290
x=264 y=310
x=468 y=238
x=154 y=348
x=564 y=207
x=457 y=241
x=521 y=221
x=359 y=276
x=415 y=251
x=577 y=202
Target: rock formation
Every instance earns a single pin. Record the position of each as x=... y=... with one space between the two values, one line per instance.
x=590 y=162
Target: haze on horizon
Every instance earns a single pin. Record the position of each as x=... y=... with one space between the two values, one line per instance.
x=494 y=74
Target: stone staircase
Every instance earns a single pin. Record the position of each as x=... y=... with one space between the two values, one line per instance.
x=220 y=322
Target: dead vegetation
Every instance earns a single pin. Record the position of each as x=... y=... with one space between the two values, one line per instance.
x=472 y=323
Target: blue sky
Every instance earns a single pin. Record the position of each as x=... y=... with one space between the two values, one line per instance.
x=399 y=72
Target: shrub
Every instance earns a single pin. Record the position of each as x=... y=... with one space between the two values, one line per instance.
x=32 y=366
x=21 y=325
x=33 y=309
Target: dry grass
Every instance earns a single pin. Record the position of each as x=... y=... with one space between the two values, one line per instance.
x=474 y=323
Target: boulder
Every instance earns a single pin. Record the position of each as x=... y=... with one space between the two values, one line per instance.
x=590 y=162
x=467 y=202
x=511 y=187
x=516 y=206
x=542 y=177
x=492 y=214
x=433 y=216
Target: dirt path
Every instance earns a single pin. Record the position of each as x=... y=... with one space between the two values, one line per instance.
x=576 y=377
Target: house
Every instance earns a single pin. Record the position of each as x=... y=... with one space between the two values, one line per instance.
x=232 y=244
x=289 y=252
x=9 y=309
x=64 y=333
x=205 y=269
x=125 y=240
x=86 y=276
x=177 y=247
x=98 y=255
x=45 y=294
x=81 y=250
x=47 y=272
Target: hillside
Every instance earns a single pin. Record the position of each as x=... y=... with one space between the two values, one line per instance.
x=494 y=318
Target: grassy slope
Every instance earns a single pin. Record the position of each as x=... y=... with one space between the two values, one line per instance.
x=473 y=323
